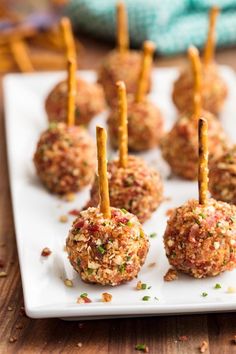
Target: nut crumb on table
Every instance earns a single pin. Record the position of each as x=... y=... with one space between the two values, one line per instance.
x=46 y=252
x=68 y=283
x=63 y=218
x=203 y=347
x=106 y=297
x=171 y=275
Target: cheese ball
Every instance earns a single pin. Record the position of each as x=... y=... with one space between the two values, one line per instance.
x=89 y=102
x=145 y=126
x=201 y=240
x=214 y=90
x=222 y=177
x=65 y=158
x=116 y=67
x=136 y=188
x=107 y=251
x=180 y=146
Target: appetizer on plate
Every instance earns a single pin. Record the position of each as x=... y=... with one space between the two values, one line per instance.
x=89 y=98
x=122 y=63
x=180 y=145
x=106 y=245
x=200 y=238
x=214 y=89
x=133 y=185
x=222 y=177
x=65 y=158
x=145 y=122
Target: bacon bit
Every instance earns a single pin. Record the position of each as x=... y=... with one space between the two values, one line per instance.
x=106 y=297
x=93 y=228
x=169 y=211
x=3 y=274
x=122 y=220
x=203 y=347
x=183 y=338
x=74 y=212
x=79 y=344
x=151 y=265
x=68 y=283
x=171 y=275
x=83 y=300
x=12 y=339
x=63 y=218
x=46 y=252
x=2 y=263
x=69 y=197
x=79 y=223
x=9 y=308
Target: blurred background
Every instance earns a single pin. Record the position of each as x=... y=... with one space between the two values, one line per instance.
x=30 y=37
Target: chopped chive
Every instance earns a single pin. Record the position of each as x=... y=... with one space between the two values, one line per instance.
x=124 y=211
x=101 y=249
x=204 y=294
x=203 y=215
x=129 y=223
x=122 y=268
x=146 y=298
x=90 y=271
x=84 y=295
x=144 y=286
x=217 y=286
x=141 y=347
x=153 y=234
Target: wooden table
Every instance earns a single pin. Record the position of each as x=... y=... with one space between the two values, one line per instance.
x=19 y=334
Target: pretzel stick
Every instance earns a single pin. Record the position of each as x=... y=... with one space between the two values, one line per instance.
x=122 y=27
x=203 y=161
x=197 y=79
x=21 y=56
x=71 y=92
x=104 y=200
x=211 y=37
x=123 y=124
x=68 y=37
x=148 y=50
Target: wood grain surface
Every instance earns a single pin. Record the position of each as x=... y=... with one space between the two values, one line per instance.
x=19 y=334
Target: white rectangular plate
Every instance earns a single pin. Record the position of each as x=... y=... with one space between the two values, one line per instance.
x=37 y=215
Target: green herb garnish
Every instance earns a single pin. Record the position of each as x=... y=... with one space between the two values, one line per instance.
x=90 y=271
x=101 y=249
x=141 y=347
x=122 y=267
x=217 y=286
x=144 y=286
x=146 y=298
x=84 y=295
x=204 y=294
x=153 y=234
x=124 y=211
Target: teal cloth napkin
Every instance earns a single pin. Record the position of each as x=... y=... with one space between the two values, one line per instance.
x=172 y=24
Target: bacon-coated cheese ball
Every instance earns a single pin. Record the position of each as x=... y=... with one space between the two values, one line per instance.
x=107 y=251
x=116 y=67
x=200 y=240
x=222 y=177
x=89 y=102
x=145 y=126
x=65 y=158
x=214 y=90
x=136 y=188
x=180 y=145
